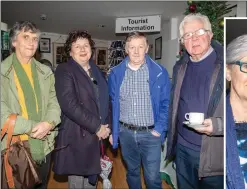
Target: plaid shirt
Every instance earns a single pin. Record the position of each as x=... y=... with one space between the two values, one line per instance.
x=135 y=99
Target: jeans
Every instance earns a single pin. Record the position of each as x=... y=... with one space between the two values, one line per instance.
x=141 y=147
x=187 y=165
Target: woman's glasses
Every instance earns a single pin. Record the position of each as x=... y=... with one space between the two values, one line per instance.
x=243 y=66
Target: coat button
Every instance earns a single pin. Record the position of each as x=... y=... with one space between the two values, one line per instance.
x=81 y=103
x=83 y=134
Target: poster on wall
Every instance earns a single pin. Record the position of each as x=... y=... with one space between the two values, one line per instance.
x=58 y=54
x=158 y=48
x=101 y=57
x=150 y=51
x=45 y=45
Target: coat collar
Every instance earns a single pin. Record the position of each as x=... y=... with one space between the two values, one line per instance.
x=7 y=67
x=89 y=87
x=8 y=72
x=216 y=46
x=156 y=69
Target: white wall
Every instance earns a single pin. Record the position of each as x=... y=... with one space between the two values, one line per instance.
x=4 y=26
x=241 y=9
x=170 y=43
x=54 y=38
x=58 y=38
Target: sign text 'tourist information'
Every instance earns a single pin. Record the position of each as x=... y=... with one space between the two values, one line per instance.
x=141 y=23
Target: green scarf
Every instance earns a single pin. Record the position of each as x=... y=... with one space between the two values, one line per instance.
x=36 y=145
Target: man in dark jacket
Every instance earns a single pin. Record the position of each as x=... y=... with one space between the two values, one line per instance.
x=197 y=86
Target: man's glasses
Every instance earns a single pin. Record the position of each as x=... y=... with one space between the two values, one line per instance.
x=243 y=66
x=196 y=33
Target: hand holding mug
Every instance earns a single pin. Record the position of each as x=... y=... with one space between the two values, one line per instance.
x=194 y=117
x=207 y=127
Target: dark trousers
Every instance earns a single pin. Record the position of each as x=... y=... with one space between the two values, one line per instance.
x=141 y=147
x=187 y=165
x=44 y=170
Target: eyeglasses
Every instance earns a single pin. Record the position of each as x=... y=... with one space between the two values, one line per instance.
x=243 y=66
x=196 y=33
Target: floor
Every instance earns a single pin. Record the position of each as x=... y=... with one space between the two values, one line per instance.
x=118 y=176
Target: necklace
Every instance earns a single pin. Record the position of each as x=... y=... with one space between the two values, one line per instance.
x=240 y=121
x=237 y=121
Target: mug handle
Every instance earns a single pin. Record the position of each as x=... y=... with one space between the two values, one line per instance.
x=187 y=115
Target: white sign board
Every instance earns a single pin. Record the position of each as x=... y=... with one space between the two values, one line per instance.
x=4 y=27
x=141 y=23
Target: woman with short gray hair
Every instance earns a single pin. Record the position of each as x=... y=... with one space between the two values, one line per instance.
x=28 y=93
x=236 y=114
x=18 y=27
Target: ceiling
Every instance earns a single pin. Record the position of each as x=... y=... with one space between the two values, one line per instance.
x=64 y=16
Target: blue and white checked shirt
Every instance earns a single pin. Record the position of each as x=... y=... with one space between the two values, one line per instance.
x=135 y=99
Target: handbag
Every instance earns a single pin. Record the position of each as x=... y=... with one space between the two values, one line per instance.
x=106 y=167
x=19 y=170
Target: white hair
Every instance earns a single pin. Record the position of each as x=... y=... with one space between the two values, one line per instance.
x=236 y=49
x=197 y=16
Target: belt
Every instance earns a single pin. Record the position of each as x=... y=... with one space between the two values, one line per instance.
x=135 y=127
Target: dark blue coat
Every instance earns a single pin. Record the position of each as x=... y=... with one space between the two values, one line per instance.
x=77 y=150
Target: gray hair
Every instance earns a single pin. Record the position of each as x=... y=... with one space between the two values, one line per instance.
x=236 y=49
x=135 y=34
x=18 y=27
x=196 y=16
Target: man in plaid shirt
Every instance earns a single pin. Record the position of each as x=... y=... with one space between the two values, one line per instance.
x=139 y=90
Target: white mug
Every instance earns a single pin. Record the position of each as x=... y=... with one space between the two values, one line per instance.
x=195 y=117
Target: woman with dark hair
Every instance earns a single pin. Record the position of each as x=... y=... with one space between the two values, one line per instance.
x=83 y=97
x=236 y=114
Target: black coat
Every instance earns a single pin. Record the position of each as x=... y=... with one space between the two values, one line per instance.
x=77 y=149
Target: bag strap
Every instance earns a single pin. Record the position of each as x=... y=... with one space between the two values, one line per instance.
x=6 y=126
x=102 y=149
x=9 y=126
x=35 y=175
x=4 y=129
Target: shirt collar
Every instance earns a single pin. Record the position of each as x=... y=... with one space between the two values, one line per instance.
x=204 y=56
x=144 y=65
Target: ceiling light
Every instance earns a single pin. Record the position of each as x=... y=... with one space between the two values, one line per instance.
x=43 y=16
x=101 y=26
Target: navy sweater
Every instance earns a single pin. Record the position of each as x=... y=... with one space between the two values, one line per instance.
x=194 y=97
